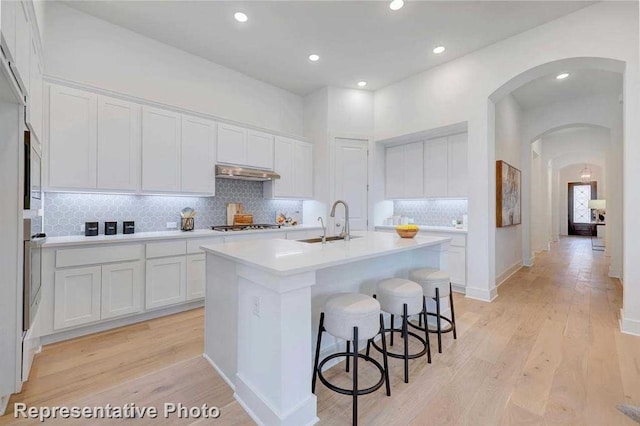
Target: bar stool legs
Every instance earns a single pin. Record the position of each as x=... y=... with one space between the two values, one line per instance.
x=453 y=315
x=355 y=391
x=438 y=320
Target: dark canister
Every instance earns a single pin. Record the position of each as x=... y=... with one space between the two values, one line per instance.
x=128 y=227
x=90 y=229
x=110 y=228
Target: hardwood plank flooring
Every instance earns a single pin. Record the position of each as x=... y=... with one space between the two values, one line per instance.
x=547 y=351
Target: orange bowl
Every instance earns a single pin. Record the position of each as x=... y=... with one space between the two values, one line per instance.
x=407 y=233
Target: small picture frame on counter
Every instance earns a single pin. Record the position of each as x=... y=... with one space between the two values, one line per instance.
x=128 y=227
x=110 y=228
x=90 y=229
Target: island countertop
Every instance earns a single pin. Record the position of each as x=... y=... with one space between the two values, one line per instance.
x=286 y=257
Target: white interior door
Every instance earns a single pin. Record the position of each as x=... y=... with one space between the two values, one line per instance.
x=351 y=182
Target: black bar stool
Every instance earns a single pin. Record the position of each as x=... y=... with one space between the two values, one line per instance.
x=398 y=296
x=352 y=317
x=436 y=284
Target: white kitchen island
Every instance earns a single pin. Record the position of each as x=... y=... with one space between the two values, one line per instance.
x=263 y=302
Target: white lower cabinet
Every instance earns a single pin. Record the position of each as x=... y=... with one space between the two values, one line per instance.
x=122 y=289
x=457 y=265
x=166 y=281
x=77 y=294
x=196 y=276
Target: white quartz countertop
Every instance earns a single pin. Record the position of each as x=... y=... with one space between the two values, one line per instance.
x=286 y=257
x=74 y=240
x=431 y=228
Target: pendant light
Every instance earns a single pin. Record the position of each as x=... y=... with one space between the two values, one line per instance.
x=585 y=174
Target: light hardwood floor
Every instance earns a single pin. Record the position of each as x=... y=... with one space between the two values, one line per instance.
x=547 y=351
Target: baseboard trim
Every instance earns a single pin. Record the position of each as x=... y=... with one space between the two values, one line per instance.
x=508 y=273
x=219 y=371
x=4 y=403
x=481 y=294
x=615 y=273
x=628 y=325
x=118 y=322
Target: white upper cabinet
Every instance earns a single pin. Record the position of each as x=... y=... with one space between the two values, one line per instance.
x=260 y=150
x=404 y=171
x=118 y=160
x=72 y=138
x=435 y=167
x=303 y=169
x=198 y=155
x=413 y=170
x=394 y=172
x=36 y=98
x=232 y=144
x=293 y=161
x=283 y=165
x=160 y=150
x=8 y=27
x=457 y=176
x=22 y=53
x=242 y=147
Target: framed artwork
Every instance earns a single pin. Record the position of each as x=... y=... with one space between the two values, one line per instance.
x=508 y=195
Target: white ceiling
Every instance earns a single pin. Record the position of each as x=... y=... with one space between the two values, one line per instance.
x=356 y=40
x=580 y=83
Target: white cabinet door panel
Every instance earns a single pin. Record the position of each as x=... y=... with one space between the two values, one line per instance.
x=394 y=172
x=122 y=289
x=196 y=276
x=160 y=150
x=118 y=158
x=260 y=150
x=23 y=46
x=457 y=172
x=283 y=165
x=303 y=170
x=166 y=280
x=232 y=144
x=413 y=166
x=457 y=265
x=36 y=97
x=435 y=167
x=198 y=155
x=77 y=296
x=8 y=27
x=72 y=138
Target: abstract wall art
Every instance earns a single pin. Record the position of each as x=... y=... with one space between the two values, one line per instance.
x=508 y=195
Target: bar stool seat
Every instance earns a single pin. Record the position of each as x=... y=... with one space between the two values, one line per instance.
x=344 y=311
x=436 y=284
x=402 y=297
x=352 y=317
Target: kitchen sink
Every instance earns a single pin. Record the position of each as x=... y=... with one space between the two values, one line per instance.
x=329 y=239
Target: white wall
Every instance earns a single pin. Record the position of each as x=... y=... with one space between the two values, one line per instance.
x=508 y=148
x=350 y=111
x=463 y=90
x=88 y=50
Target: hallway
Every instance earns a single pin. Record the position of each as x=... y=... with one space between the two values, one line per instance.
x=548 y=350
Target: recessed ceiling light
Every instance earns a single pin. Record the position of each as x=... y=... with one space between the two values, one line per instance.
x=241 y=17
x=438 y=49
x=313 y=57
x=562 y=76
x=362 y=83
x=396 y=4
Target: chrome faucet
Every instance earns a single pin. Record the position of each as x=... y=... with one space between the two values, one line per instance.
x=345 y=229
x=324 y=230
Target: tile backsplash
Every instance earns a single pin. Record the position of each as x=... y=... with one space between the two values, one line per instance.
x=64 y=213
x=438 y=212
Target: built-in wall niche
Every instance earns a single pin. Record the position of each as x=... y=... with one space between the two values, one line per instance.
x=434 y=212
x=66 y=212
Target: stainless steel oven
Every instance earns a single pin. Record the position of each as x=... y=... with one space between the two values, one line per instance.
x=32 y=274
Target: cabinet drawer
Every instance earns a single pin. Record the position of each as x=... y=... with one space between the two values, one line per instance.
x=96 y=255
x=193 y=246
x=167 y=248
x=458 y=241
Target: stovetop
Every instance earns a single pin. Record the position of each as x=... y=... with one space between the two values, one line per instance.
x=225 y=228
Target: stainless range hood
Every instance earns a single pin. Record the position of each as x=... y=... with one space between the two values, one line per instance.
x=244 y=173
